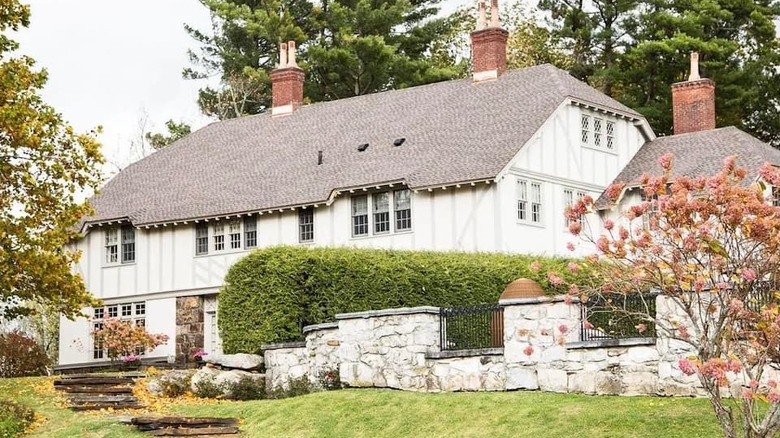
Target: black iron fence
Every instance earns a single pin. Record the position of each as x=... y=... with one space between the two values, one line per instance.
x=464 y=328
x=618 y=316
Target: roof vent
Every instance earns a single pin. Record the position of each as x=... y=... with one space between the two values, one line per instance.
x=319 y=158
x=399 y=141
x=362 y=147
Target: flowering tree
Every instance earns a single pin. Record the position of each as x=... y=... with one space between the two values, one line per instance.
x=711 y=246
x=123 y=339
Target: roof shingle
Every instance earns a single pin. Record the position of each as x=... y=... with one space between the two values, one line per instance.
x=455 y=131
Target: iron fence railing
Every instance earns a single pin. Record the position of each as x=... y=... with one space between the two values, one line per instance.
x=464 y=328
x=618 y=316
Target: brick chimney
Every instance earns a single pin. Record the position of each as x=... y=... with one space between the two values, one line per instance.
x=693 y=102
x=286 y=82
x=488 y=45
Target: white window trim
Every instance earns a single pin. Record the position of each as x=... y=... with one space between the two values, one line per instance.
x=393 y=230
x=313 y=227
x=575 y=194
x=226 y=249
x=119 y=243
x=605 y=121
x=529 y=203
x=133 y=318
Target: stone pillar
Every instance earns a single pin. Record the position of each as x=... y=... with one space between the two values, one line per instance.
x=189 y=327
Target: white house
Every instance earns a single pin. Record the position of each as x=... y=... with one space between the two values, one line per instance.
x=487 y=163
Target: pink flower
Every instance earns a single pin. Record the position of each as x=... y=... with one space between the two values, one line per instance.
x=535 y=266
x=682 y=331
x=687 y=366
x=554 y=279
x=575 y=228
x=573 y=267
x=588 y=325
x=528 y=350
x=613 y=191
x=609 y=224
x=771 y=383
x=641 y=328
x=748 y=394
x=773 y=397
x=563 y=329
x=665 y=161
x=570 y=246
x=748 y=274
x=753 y=383
x=568 y=299
x=574 y=290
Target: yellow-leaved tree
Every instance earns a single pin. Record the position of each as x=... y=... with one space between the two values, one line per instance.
x=44 y=167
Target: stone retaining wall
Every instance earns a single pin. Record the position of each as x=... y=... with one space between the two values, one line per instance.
x=400 y=348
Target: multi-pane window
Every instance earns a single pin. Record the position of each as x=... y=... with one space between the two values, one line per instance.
x=306 y=225
x=402 y=203
x=201 y=239
x=598 y=124
x=98 y=349
x=120 y=245
x=529 y=201
x=132 y=313
x=128 y=244
x=234 y=232
x=651 y=211
x=597 y=132
x=610 y=135
x=112 y=245
x=585 y=127
x=381 y=212
x=250 y=232
x=568 y=201
x=219 y=236
x=359 y=215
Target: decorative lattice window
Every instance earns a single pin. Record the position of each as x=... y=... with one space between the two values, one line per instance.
x=585 y=126
x=597 y=131
x=610 y=135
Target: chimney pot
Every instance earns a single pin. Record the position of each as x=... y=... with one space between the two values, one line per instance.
x=282 y=56
x=693 y=102
x=291 y=54
x=494 y=14
x=482 y=19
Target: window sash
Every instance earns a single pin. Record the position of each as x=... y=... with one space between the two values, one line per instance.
x=219 y=237
x=610 y=134
x=359 y=215
x=305 y=225
x=250 y=232
x=381 y=210
x=128 y=244
x=112 y=245
x=234 y=232
x=201 y=239
x=585 y=128
x=402 y=203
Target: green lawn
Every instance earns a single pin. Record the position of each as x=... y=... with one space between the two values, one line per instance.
x=385 y=413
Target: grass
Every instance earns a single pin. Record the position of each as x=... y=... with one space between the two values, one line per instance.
x=386 y=413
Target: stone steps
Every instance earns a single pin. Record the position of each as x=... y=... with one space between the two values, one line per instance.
x=85 y=392
x=186 y=426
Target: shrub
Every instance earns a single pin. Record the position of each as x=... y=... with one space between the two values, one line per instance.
x=247 y=388
x=272 y=293
x=173 y=387
x=294 y=388
x=207 y=387
x=21 y=355
x=14 y=418
x=329 y=380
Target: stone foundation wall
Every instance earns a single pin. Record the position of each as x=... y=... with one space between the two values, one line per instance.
x=400 y=348
x=189 y=327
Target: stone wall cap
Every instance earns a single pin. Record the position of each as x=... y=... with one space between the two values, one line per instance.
x=390 y=312
x=323 y=326
x=497 y=351
x=281 y=345
x=535 y=300
x=605 y=343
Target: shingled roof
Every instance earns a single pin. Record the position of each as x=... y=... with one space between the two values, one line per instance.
x=455 y=131
x=697 y=154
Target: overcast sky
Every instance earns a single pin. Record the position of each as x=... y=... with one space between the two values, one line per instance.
x=109 y=61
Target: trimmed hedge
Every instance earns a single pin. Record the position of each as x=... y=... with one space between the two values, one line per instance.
x=272 y=293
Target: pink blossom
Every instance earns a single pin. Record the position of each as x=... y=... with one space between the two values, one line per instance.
x=609 y=224
x=771 y=383
x=665 y=161
x=568 y=299
x=573 y=267
x=563 y=329
x=528 y=350
x=570 y=246
x=588 y=325
x=753 y=383
x=613 y=191
x=687 y=366
x=575 y=228
x=554 y=279
x=574 y=290
x=535 y=266
x=641 y=328
x=682 y=331
x=773 y=397
x=748 y=274
x=748 y=394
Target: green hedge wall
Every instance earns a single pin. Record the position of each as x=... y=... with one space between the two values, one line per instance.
x=271 y=293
